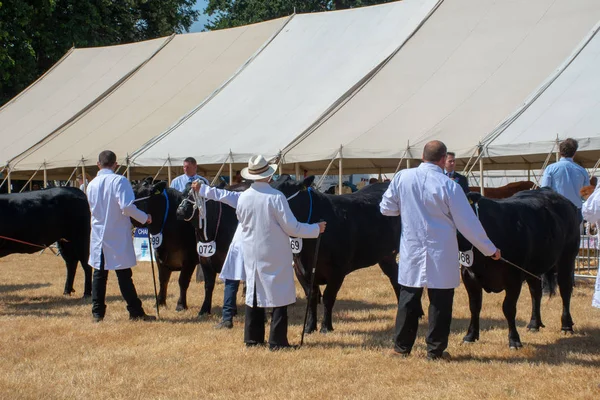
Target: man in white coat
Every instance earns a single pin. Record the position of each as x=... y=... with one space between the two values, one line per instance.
x=266 y=223
x=111 y=197
x=432 y=207
x=233 y=267
x=591 y=213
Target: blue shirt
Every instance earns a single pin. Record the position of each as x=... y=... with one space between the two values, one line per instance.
x=182 y=180
x=567 y=178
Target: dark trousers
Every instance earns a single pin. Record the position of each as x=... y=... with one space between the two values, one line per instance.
x=134 y=304
x=409 y=312
x=254 y=326
x=229 y=299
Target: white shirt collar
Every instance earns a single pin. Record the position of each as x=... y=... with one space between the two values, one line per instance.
x=431 y=166
x=105 y=171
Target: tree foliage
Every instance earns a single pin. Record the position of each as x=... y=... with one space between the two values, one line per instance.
x=230 y=13
x=34 y=34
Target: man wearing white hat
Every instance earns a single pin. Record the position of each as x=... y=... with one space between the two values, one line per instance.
x=266 y=224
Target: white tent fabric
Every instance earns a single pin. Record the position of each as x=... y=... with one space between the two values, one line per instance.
x=309 y=66
x=568 y=107
x=182 y=75
x=470 y=65
x=80 y=78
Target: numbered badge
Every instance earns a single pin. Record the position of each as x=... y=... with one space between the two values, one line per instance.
x=156 y=240
x=296 y=244
x=207 y=249
x=465 y=258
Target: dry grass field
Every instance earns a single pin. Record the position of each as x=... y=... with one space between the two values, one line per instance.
x=51 y=349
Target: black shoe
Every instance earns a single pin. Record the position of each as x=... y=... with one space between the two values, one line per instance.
x=143 y=317
x=277 y=347
x=224 y=325
x=254 y=344
x=445 y=356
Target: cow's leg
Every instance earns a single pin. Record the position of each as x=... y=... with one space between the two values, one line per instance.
x=509 y=307
x=87 y=280
x=535 y=289
x=71 y=271
x=565 y=278
x=329 y=296
x=185 y=277
x=475 y=293
x=390 y=268
x=313 y=301
x=164 y=274
x=210 y=277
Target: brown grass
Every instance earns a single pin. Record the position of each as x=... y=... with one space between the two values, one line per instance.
x=50 y=349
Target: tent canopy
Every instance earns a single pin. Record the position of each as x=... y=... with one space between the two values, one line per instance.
x=309 y=66
x=469 y=66
x=81 y=78
x=181 y=76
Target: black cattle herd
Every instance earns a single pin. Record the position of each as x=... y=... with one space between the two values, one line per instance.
x=538 y=230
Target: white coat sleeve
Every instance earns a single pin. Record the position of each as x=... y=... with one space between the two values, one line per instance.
x=467 y=222
x=591 y=207
x=125 y=197
x=224 y=196
x=289 y=223
x=390 y=202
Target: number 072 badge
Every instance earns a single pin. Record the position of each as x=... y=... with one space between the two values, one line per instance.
x=207 y=249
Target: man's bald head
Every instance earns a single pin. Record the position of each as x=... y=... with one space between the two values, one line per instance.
x=434 y=151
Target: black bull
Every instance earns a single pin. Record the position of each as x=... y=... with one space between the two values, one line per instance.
x=537 y=230
x=43 y=217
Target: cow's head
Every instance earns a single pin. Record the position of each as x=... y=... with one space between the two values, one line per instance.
x=187 y=209
x=463 y=243
x=150 y=198
x=299 y=198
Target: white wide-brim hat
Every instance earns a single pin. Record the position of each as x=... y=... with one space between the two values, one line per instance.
x=258 y=168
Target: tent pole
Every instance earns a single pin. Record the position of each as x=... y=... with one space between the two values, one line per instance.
x=83 y=175
x=230 y=168
x=407 y=163
x=169 y=170
x=45 y=176
x=340 y=170
x=297 y=171
x=557 y=149
x=481 y=179
x=214 y=181
x=127 y=171
x=529 y=173
x=318 y=185
x=30 y=179
x=9 y=179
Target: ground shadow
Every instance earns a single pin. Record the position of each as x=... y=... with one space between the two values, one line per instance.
x=24 y=286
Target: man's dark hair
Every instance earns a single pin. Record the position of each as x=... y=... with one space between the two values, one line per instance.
x=191 y=160
x=568 y=147
x=451 y=153
x=107 y=159
x=434 y=151
x=373 y=180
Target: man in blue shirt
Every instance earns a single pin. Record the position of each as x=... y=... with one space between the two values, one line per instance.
x=190 y=168
x=565 y=176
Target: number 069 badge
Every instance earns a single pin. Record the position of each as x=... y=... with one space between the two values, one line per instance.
x=465 y=258
x=296 y=245
x=207 y=249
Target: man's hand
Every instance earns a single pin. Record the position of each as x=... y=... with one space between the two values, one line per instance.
x=196 y=185
x=322 y=226
x=496 y=255
x=149 y=220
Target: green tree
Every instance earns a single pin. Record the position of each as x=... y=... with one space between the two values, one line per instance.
x=34 y=34
x=230 y=13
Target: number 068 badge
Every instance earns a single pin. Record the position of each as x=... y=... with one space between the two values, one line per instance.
x=296 y=245
x=207 y=249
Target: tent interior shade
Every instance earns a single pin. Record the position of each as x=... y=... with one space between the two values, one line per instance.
x=568 y=107
x=79 y=79
x=309 y=66
x=182 y=75
x=469 y=66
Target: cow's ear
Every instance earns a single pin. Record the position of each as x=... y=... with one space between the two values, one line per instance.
x=148 y=181
x=159 y=187
x=308 y=181
x=474 y=197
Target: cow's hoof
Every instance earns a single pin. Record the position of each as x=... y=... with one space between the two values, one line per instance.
x=87 y=296
x=326 y=329
x=470 y=339
x=309 y=329
x=567 y=331
x=515 y=345
x=180 y=308
x=202 y=313
x=533 y=329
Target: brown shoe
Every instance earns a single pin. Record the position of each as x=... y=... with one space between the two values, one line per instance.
x=394 y=353
x=445 y=356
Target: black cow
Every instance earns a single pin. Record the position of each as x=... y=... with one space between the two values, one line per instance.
x=43 y=217
x=218 y=216
x=357 y=236
x=537 y=230
x=178 y=249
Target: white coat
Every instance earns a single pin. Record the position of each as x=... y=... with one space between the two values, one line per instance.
x=233 y=267
x=591 y=213
x=431 y=207
x=267 y=223
x=110 y=197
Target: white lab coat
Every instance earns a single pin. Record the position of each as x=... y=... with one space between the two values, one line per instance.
x=233 y=267
x=591 y=213
x=181 y=181
x=110 y=197
x=432 y=207
x=267 y=223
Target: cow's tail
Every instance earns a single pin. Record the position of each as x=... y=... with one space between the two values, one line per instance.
x=549 y=282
